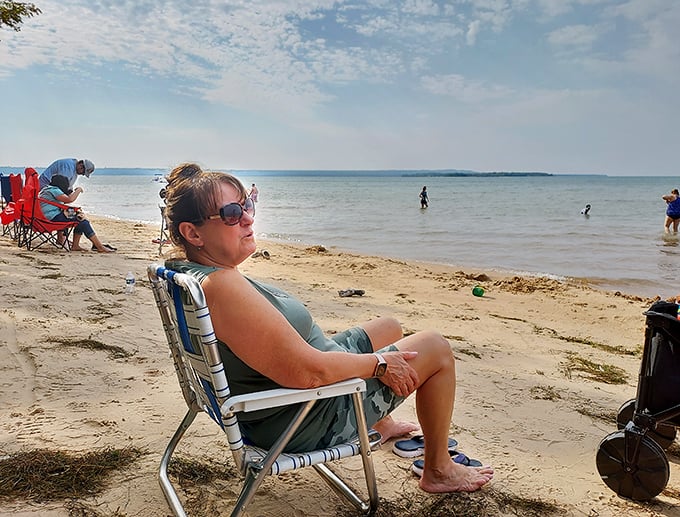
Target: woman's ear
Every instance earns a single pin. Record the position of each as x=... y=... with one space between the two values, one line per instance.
x=191 y=234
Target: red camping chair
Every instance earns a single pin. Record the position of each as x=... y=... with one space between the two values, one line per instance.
x=36 y=229
x=10 y=213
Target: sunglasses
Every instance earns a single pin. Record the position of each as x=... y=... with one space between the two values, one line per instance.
x=231 y=214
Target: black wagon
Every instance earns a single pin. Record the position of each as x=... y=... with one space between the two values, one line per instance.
x=632 y=461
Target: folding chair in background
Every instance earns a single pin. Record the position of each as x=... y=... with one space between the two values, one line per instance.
x=12 y=187
x=5 y=191
x=201 y=374
x=164 y=237
x=34 y=228
x=5 y=198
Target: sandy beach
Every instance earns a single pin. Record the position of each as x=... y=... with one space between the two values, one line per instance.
x=524 y=405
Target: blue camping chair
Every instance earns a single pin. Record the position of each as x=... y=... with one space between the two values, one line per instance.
x=201 y=375
x=5 y=190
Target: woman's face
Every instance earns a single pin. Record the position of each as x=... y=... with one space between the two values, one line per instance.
x=226 y=245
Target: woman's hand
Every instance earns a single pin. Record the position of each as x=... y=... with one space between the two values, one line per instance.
x=400 y=376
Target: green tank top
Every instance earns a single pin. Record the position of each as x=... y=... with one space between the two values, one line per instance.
x=243 y=379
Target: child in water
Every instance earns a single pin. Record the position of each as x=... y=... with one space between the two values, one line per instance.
x=423 y=198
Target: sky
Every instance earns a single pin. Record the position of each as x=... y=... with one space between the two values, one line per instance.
x=562 y=86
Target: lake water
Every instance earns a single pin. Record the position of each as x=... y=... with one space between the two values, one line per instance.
x=529 y=224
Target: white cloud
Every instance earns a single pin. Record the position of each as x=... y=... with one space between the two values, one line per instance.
x=473 y=30
x=578 y=36
x=376 y=81
x=464 y=90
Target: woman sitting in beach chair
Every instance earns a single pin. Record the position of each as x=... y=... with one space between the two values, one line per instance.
x=58 y=192
x=268 y=339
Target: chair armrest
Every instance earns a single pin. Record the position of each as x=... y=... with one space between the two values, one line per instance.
x=285 y=397
x=56 y=203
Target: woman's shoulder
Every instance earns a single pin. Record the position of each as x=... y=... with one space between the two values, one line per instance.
x=198 y=271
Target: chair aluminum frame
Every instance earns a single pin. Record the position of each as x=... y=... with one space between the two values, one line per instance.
x=202 y=378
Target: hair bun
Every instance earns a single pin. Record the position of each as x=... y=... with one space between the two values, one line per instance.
x=182 y=172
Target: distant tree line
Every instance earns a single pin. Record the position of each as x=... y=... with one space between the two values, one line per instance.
x=12 y=14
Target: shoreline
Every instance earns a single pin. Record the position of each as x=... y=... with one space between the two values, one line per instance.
x=523 y=404
x=644 y=288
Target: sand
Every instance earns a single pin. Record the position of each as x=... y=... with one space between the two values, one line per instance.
x=521 y=405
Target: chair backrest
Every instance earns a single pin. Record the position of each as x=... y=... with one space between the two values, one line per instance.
x=193 y=344
x=16 y=186
x=28 y=172
x=30 y=207
x=5 y=189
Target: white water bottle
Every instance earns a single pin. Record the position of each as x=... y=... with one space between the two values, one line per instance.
x=129 y=283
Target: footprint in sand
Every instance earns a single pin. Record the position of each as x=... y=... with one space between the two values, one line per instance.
x=18 y=370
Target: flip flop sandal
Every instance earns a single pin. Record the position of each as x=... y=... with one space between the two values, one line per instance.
x=415 y=446
x=351 y=292
x=458 y=457
x=107 y=246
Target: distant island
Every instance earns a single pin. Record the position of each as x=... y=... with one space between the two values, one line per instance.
x=405 y=173
x=462 y=173
x=408 y=173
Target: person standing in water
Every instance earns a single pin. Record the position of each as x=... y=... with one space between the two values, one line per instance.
x=254 y=193
x=672 y=210
x=424 y=200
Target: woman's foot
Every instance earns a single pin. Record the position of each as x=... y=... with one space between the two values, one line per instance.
x=105 y=245
x=455 y=478
x=77 y=248
x=390 y=428
x=105 y=249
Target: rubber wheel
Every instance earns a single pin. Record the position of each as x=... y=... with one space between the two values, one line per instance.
x=664 y=434
x=625 y=413
x=641 y=480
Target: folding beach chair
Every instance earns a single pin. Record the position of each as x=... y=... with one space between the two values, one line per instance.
x=34 y=228
x=164 y=237
x=5 y=199
x=202 y=377
x=5 y=190
x=12 y=187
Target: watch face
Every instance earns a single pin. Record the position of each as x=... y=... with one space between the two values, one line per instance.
x=381 y=369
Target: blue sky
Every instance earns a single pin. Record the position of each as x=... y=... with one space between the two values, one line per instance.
x=565 y=86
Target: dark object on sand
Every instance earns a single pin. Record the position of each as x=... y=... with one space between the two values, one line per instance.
x=351 y=292
x=632 y=461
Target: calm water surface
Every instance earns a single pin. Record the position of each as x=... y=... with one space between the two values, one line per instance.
x=528 y=225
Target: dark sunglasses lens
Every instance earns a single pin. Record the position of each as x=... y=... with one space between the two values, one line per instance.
x=231 y=213
x=249 y=206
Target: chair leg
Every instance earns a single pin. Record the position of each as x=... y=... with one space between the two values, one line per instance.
x=255 y=473
x=338 y=485
x=166 y=485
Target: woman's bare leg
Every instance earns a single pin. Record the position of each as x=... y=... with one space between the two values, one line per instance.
x=434 y=405
x=382 y=332
x=98 y=244
x=75 y=246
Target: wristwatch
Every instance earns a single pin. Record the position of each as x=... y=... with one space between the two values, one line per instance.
x=381 y=367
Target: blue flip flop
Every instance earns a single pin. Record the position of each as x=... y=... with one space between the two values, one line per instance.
x=456 y=456
x=415 y=446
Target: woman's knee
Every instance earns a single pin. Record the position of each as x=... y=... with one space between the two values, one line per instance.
x=438 y=345
x=383 y=331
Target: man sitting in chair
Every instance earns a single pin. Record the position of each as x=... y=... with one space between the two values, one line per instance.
x=268 y=339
